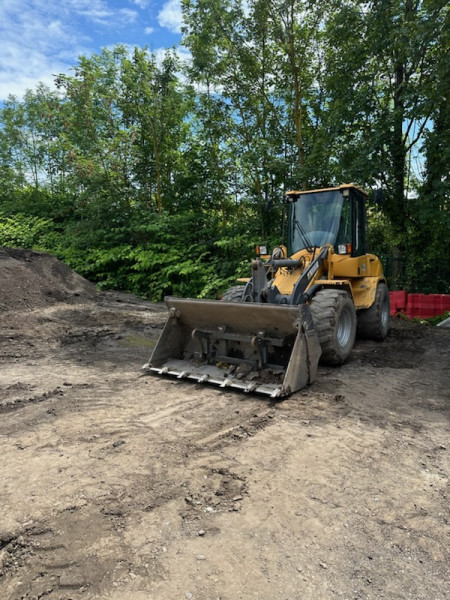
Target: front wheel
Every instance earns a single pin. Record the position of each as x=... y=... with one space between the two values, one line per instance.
x=334 y=318
x=373 y=322
x=234 y=294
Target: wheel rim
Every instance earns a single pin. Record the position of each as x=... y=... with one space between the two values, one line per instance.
x=384 y=317
x=344 y=329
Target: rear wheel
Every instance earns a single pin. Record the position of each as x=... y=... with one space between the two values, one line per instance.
x=373 y=322
x=234 y=294
x=334 y=317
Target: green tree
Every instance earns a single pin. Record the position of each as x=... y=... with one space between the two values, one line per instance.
x=383 y=82
x=98 y=148
x=30 y=146
x=155 y=107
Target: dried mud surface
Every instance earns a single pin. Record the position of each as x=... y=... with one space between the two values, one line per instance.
x=119 y=486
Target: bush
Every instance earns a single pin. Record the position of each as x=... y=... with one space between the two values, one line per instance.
x=25 y=231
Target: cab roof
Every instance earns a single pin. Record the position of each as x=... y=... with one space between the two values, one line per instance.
x=340 y=187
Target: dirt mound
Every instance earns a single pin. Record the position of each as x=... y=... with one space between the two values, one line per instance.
x=30 y=279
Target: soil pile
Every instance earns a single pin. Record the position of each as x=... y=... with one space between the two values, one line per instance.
x=30 y=279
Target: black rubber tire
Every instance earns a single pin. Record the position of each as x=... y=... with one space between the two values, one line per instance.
x=334 y=317
x=373 y=322
x=234 y=294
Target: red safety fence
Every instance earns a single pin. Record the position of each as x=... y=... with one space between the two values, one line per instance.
x=422 y=306
x=399 y=301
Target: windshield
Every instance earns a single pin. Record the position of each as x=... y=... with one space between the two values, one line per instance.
x=315 y=219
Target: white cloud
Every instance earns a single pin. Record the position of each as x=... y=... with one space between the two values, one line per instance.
x=23 y=82
x=170 y=16
x=148 y=30
x=98 y=11
x=141 y=3
x=41 y=38
x=32 y=39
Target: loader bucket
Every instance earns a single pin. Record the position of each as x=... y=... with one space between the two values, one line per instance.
x=265 y=348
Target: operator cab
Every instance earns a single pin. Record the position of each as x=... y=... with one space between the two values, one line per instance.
x=333 y=216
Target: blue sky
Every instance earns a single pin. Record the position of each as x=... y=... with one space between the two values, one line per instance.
x=40 y=38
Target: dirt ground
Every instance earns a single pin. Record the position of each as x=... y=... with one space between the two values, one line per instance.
x=119 y=486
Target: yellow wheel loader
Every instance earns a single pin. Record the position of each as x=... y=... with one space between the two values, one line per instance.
x=302 y=304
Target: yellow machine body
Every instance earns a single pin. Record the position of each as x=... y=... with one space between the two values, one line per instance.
x=358 y=275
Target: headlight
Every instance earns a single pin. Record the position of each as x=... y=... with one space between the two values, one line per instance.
x=344 y=249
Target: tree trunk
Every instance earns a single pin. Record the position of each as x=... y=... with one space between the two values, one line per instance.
x=158 y=176
x=298 y=108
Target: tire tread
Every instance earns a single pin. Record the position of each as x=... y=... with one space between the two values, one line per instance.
x=324 y=308
x=369 y=319
x=234 y=294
